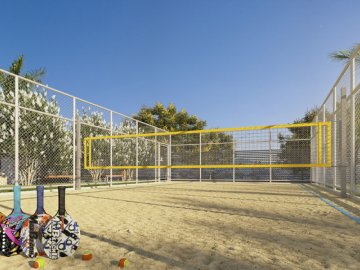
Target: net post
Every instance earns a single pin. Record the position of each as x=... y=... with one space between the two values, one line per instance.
x=137 y=153
x=169 y=160
x=111 y=148
x=16 y=131
x=155 y=158
x=159 y=161
x=270 y=158
x=319 y=143
x=352 y=128
x=200 y=157
x=312 y=170
x=233 y=153
x=343 y=142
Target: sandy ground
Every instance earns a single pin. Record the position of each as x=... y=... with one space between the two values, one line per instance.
x=203 y=226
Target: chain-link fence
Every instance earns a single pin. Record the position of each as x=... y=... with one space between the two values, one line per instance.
x=38 y=136
x=42 y=130
x=342 y=108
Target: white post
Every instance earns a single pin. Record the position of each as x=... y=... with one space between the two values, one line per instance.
x=111 y=148
x=270 y=157
x=74 y=140
x=311 y=155
x=137 y=153
x=78 y=152
x=233 y=152
x=334 y=157
x=169 y=158
x=352 y=128
x=316 y=151
x=155 y=161
x=159 y=161
x=323 y=139
x=343 y=142
x=16 y=132
x=200 y=146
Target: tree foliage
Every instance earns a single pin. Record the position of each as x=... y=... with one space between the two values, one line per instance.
x=295 y=145
x=169 y=118
x=345 y=55
x=44 y=141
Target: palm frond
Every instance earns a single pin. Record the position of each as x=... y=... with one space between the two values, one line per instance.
x=345 y=55
x=36 y=75
x=17 y=65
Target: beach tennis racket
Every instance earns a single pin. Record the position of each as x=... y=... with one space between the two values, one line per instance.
x=31 y=231
x=11 y=226
x=61 y=235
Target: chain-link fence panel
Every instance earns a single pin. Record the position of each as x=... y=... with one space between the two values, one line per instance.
x=357 y=141
x=7 y=145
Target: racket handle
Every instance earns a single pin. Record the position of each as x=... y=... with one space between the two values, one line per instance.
x=40 y=200
x=61 y=191
x=17 y=190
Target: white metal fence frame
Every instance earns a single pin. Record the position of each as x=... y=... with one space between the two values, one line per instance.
x=71 y=117
x=342 y=108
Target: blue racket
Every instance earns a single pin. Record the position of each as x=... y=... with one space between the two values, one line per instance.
x=31 y=231
x=11 y=226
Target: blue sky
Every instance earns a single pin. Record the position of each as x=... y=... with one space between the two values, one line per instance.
x=232 y=63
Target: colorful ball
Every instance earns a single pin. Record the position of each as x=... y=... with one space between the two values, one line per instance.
x=87 y=255
x=39 y=263
x=123 y=263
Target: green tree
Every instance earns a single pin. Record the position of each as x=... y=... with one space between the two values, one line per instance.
x=169 y=118
x=44 y=140
x=295 y=145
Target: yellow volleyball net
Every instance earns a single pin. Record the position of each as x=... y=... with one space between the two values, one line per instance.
x=302 y=145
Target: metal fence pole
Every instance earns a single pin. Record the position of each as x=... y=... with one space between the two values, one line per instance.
x=233 y=152
x=77 y=154
x=352 y=128
x=155 y=161
x=74 y=157
x=111 y=148
x=16 y=131
x=343 y=142
x=270 y=157
x=200 y=146
x=323 y=143
x=159 y=161
x=137 y=154
x=334 y=136
x=312 y=171
x=316 y=151
x=169 y=159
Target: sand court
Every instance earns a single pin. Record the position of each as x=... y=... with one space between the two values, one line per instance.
x=203 y=226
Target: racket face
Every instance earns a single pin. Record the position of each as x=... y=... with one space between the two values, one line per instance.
x=61 y=236
x=10 y=233
x=31 y=235
x=11 y=226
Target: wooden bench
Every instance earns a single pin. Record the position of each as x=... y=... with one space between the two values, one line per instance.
x=52 y=178
x=108 y=176
x=59 y=176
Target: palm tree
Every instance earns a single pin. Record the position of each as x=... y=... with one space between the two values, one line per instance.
x=34 y=75
x=345 y=55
